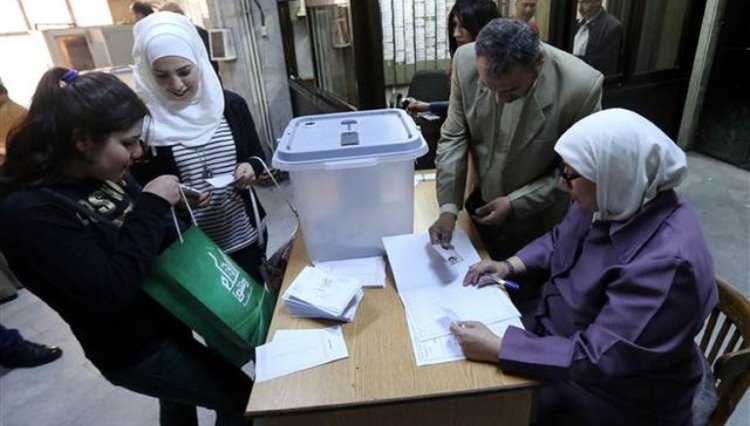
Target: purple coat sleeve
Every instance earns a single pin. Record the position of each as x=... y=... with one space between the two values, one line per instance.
x=642 y=322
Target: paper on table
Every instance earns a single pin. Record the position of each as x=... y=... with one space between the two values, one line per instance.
x=428 y=284
x=424 y=310
x=305 y=350
x=331 y=335
x=416 y=264
x=370 y=271
x=423 y=177
x=221 y=181
x=445 y=348
x=435 y=351
x=486 y=304
x=499 y=327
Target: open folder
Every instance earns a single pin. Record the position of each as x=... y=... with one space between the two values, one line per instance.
x=430 y=285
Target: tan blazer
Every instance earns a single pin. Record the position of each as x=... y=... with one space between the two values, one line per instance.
x=566 y=90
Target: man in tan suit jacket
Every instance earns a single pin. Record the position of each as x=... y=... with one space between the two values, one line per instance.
x=511 y=99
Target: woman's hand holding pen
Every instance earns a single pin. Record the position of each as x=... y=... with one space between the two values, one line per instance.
x=244 y=176
x=482 y=273
x=491 y=271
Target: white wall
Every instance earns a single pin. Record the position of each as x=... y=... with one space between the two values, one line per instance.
x=267 y=91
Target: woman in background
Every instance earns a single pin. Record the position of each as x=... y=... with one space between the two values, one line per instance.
x=465 y=20
x=631 y=282
x=199 y=131
x=82 y=236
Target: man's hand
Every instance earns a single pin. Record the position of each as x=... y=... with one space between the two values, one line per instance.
x=442 y=230
x=495 y=213
x=477 y=341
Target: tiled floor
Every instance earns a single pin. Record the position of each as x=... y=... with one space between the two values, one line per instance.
x=70 y=391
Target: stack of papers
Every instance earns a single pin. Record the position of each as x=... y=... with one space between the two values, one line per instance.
x=317 y=294
x=296 y=350
x=430 y=284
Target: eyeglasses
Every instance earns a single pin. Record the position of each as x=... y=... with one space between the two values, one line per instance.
x=566 y=175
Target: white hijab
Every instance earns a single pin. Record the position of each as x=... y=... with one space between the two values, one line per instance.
x=628 y=158
x=190 y=123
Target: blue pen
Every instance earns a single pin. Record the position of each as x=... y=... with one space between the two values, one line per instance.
x=508 y=284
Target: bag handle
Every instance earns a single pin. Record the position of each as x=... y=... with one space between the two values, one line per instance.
x=254 y=201
x=190 y=211
x=276 y=183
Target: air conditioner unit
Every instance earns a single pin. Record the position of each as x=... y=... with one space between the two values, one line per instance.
x=221 y=45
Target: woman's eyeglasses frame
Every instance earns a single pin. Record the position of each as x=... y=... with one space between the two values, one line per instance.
x=568 y=177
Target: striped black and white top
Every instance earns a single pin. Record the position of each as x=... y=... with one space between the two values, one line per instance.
x=224 y=219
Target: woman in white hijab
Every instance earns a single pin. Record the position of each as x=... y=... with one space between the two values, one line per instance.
x=199 y=131
x=631 y=282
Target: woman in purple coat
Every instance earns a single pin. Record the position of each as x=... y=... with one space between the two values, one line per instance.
x=631 y=281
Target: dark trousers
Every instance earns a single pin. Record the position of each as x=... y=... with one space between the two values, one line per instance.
x=183 y=374
x=9 y=338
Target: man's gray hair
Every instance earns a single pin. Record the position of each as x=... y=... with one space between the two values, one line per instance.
x=504 y=43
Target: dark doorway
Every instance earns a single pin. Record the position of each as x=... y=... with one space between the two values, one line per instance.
x=724 y=126
x=654 y=55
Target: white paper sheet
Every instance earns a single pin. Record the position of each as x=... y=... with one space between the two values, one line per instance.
x=415 y=264
x=333 y=336
x=446 y=349
x=300 y=350
x=221 y=181
x=369 y=271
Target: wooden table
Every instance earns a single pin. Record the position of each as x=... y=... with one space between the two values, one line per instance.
x=379 y=383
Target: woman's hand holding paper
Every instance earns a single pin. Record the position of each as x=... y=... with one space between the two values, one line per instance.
x=477 y=342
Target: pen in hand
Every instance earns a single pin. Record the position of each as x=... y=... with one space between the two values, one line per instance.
x=491 y=279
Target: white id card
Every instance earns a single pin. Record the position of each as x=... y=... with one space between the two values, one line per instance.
x=450 y=255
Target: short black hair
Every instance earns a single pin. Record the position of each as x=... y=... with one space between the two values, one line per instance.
x=507 y=42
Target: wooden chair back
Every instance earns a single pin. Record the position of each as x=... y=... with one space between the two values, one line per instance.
x=726 y=345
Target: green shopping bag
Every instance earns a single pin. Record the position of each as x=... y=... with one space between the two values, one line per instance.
x=199 y=284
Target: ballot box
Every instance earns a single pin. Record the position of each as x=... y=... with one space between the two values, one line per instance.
x=352 y=175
